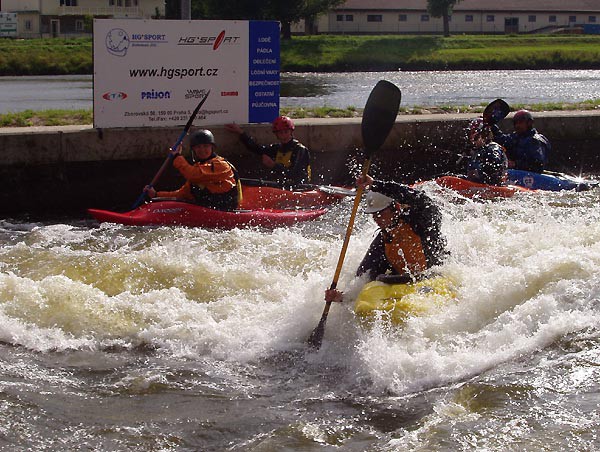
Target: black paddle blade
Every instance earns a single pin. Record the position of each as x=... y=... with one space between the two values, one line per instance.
x=316 y=337
x=194 y=113
x=495 y=112
x=379 y=115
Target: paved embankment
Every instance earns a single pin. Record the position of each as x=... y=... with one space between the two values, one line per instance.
x=67 y=169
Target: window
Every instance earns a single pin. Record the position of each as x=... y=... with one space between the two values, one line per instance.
x=572 y=18
x=552 y=19
x=339 y=18
x=111 y=2
x=468 y=17
x=28 y=25
x=402 y=18
x=531 y=18
x=424 y=17
x=68 y=2
x=592 y=19
x=374 y=18
x=128 y=3
x=79 y=25
x=490 y=18
x=349 y=17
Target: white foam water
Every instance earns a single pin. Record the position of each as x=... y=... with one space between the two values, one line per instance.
x=195 y=313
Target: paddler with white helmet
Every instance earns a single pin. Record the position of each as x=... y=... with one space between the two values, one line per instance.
x=409 y=241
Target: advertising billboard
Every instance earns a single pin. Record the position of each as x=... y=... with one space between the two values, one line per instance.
x=155 y=72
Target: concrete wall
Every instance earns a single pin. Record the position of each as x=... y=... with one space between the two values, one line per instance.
x=64 y=170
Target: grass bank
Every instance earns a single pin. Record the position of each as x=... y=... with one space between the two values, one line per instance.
x=393 y=52
x=30 y=118
x=325 y=53
x=46 y=56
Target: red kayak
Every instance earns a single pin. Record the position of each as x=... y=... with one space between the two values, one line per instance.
x=475 y=190
x=265 y=197
x=188 y=214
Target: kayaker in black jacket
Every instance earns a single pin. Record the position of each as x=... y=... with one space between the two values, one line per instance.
x=409 y=241
x=526 y=148
x=487 y=162
x=288 y=160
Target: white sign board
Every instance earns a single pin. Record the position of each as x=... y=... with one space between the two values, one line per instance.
x=8 y=25
x=155 y=72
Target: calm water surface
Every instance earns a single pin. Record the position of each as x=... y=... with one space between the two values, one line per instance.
x=160 y=339
x=345 y=89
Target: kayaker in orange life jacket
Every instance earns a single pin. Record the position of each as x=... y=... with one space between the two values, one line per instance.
x=288 y=160
x=211 y=181
x=409 y=241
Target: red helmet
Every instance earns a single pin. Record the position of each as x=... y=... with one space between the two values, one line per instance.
x=283 y=123
x=522 y=115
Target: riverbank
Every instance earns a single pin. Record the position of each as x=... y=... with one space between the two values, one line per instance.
x=30 y=118
x=337 y=53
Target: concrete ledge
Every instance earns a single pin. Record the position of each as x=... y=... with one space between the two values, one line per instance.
x=67 y=169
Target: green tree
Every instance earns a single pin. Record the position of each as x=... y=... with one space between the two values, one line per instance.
x=236 y=9
x=443 y=9
x=285 y=11
x=313 y=9
x=172 y=9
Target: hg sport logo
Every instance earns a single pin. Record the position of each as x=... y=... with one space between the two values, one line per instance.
x=214 y=41
x=117 y=42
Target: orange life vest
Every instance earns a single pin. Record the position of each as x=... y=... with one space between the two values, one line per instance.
x=404 y=250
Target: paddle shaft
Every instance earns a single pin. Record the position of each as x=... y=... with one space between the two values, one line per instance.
x=378 y=120
x=316 y=336
x=167 y=161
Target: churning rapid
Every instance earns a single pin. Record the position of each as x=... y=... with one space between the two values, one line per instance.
x=172 y=338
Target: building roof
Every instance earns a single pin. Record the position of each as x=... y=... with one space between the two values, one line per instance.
x=564 y=6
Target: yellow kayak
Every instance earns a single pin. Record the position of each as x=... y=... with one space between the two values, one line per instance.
x=396 y=302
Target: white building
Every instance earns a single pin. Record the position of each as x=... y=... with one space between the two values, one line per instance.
x=47 y=18
x=469 y=16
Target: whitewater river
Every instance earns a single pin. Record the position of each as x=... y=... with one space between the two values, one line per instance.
x=168 y=338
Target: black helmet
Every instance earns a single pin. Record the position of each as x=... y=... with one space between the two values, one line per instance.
x=489 y=165
x=202 y=137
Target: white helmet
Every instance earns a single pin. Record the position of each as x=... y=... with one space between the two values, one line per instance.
x=377 y=201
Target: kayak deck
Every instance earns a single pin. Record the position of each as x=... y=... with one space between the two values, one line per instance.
x=549 y=181
x=476 y=190
x=263 y=197
x=188 y=214
x=397 y=302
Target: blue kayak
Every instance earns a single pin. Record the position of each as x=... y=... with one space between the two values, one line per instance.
x=548 y=180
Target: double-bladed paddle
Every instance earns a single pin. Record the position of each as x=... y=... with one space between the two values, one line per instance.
x=167 y=161
x=378 y=119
